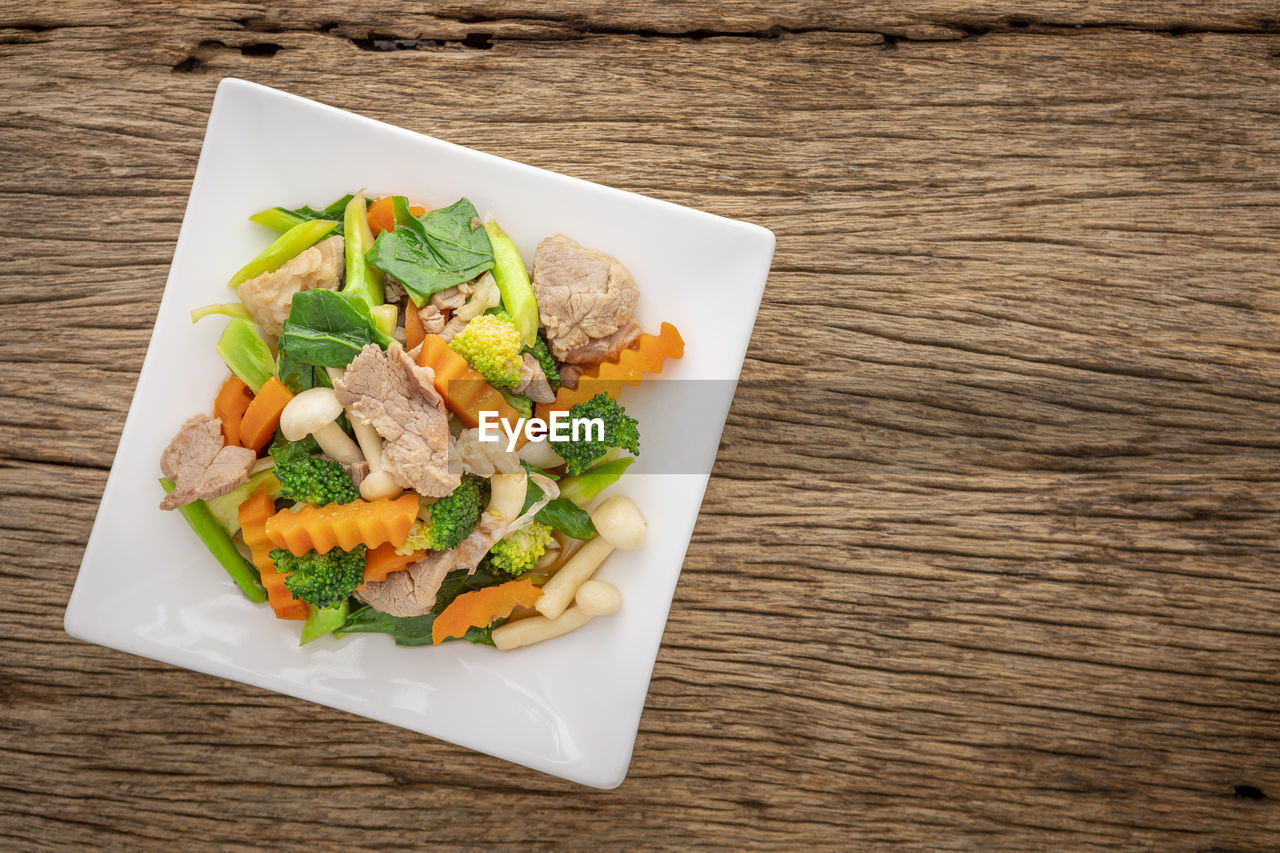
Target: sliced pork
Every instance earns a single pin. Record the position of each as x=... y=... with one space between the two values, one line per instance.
x=533 y=381
x=398 y=398
x=269 y=296
x=584 y=297
x=200 y=464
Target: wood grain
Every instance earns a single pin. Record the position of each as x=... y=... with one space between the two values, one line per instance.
x=989 y=557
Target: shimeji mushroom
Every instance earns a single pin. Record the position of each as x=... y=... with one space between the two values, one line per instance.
x=620 y=526
x=314 y=412
x=594 y=598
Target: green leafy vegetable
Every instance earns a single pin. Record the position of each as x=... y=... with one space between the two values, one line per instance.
x=565 y=516
x=246 y=353
x=416 y=630
x=326 y=330
x=216 y=538
x=287 y=246
x=434 y=251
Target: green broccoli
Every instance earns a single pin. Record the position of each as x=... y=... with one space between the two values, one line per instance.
x=521 y=549
x=450 y=519
x=620 y=430
x=491 y=345
x=543 y=355
x=321 y=580
x=305 y=478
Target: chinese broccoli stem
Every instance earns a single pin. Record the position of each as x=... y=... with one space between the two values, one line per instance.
x=592 y=482
x=278 y=218
x=513 y=283
x=218 y=541
x=364 y=282
x=323 y=621
x=287 y=246
x=246 y=354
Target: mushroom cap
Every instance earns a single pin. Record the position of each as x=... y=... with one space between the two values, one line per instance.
x=308 y=412
x=598 y=598
x=619 y=523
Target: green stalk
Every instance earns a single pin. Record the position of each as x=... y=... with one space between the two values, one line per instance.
x=364 y=282
x=277 y=218
x=513 y=283
x=231 y=309
x=287 y=246
x=246 y=353
x=323 y=621
x=218 y=541
x=592 y=482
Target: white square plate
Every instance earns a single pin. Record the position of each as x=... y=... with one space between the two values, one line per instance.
x=570 y=707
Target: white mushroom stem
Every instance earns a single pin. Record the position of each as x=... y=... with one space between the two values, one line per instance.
x=378 y=483
x=314 y=412
x=535 y=629
x=558 y=592
x=621 y=526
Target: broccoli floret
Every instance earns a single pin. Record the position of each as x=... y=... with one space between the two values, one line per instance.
x=543 y=355
x=520 y=550
x=305 y=478
x=450 y=519
x=620 y=430
x=491 y=344
x=321 y=580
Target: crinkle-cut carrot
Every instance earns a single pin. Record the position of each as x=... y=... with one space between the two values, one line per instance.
x=476 y=609
x=229 y=407
x=383 y=218
x=368 y=523
x=263 y=415
x=464 y=390
x=646 y=355
x=254 y=512
x=383 y=560
x=413 y=329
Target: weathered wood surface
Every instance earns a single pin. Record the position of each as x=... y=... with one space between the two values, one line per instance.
x=1000 y=573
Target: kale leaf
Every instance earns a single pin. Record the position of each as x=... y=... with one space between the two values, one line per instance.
x=327 y=330
x=432 y=252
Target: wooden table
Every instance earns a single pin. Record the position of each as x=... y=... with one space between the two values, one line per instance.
x=997 y=572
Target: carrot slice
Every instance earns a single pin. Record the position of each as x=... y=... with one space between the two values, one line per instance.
x=254 y=512
x=263 y=415
x=476 y=609
x=464 y=390
x=382 y=217
x=368 y=523
x=383 y=560
x=229 y=407
x=413 y=328
x=646 y=355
